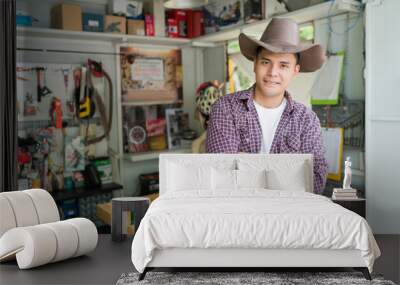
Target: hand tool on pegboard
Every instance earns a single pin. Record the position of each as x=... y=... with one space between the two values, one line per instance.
x=87 y=107
x=42 y=89
x=20 y=69
x=95 y=69
x=70 y=101
x=77 y=89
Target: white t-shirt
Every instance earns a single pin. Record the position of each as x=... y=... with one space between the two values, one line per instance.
x=269 y=119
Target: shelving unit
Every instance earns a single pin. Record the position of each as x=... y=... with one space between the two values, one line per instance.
x=301 y=16
x=153 y=154
x=70 y=48
x=304 y=15
x=148 y=103
x=92 y=36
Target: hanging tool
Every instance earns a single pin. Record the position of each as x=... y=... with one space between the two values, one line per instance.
x=29 y=107
x=70 y=102
x=42 y=89
x=86 y=106
x=56 y=112
x=22 y=69
x=65 y=73
x=95 y=69
x=77 y=84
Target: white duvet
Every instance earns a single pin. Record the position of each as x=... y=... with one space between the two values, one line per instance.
x=253 y=218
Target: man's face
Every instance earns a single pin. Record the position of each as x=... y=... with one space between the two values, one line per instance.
x=274 y=71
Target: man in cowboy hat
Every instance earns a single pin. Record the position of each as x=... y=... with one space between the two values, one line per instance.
x=265 y=118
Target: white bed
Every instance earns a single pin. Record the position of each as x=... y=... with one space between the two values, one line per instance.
x=215 y=211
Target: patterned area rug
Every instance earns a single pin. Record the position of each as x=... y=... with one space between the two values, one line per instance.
x=229 y=278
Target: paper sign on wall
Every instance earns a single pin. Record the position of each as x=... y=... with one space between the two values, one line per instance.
x=147 y=69
x=325 y=90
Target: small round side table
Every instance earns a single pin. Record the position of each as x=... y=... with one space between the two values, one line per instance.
x=137 y=205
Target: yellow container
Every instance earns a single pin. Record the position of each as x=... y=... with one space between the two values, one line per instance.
x=157 y=143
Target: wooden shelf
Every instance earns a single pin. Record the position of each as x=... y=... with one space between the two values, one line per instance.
x=62 y=195
x=255 y=29
x=148 y=103
x=153 y=154
x=92 y=36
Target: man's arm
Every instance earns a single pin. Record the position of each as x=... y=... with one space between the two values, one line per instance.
x=312 y=142
x=222 y=136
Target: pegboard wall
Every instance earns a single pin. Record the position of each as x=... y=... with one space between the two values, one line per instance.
x=58 y=79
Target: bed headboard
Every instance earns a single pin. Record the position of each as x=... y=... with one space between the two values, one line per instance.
x=280 y=162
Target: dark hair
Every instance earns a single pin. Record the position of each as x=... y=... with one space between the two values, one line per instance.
x=260 y=48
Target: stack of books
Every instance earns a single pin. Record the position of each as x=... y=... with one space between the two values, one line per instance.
x=343 y=194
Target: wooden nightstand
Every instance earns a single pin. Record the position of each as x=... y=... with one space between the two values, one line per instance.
x=355 y=205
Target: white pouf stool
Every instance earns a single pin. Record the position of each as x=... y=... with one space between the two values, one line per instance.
x=31 y=231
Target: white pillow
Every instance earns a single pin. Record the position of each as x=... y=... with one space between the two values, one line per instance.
x=251 y=178
x=188 y=177
x=284 y=171
x=223 y=179
x=293 y=179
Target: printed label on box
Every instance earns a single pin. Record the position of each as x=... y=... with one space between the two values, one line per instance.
x=93 y=23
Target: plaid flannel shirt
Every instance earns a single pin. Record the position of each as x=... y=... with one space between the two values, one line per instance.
x=234 y=127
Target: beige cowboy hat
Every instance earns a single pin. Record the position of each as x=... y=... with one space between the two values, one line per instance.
x=282 y=36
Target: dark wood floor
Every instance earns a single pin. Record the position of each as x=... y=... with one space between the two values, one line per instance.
x=103 y=266
x=110 y=260
x=389 y=262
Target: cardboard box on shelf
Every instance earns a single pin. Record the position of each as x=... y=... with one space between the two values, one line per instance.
x=127 y=8
x=23 y=20
x=93 y=22
x=114 y=24
x=66 y=17
x=135 y=27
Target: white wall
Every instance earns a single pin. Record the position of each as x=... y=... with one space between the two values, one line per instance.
x=214 y=63
x=193 y=68
x=383 y=116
